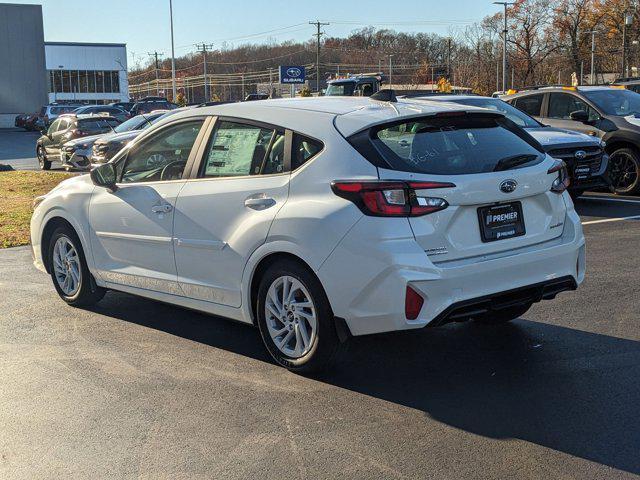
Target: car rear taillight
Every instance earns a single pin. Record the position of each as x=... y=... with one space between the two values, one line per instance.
x=413 y=302
x=380 y=198
x=562 y=182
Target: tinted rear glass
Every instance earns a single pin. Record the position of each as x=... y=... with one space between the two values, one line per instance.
x=97 y=124
x=455 y=145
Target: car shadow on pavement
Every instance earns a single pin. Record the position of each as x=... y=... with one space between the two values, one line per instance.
x=602 y=206
x=569 y=390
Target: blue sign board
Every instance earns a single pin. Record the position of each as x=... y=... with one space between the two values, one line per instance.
x=291 y=74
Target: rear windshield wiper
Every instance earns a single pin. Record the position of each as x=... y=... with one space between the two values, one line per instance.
x=508 y=163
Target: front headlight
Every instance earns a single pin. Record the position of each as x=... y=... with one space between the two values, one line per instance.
x=38 y=200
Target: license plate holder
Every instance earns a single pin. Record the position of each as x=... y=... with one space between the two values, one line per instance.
x=582 y=171
x=500 y=222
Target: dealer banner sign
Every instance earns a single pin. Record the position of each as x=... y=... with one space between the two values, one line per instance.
x=291 y=74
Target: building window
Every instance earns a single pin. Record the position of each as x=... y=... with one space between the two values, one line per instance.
x=91 y=81
x=115 y=81
x=99 y=82
x=66 y=81
x=84 y=87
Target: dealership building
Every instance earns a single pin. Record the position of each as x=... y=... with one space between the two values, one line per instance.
x=34 y=72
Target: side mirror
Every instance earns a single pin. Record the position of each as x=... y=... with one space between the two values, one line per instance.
x=105 y=176
x=579 y=116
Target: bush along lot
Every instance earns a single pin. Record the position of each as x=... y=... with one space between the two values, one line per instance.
x=17 y=191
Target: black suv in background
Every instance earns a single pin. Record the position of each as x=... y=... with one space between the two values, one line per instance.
x=149 y=104
x=630 y=83
x=609 y=112
x=105 y=110
x=68 y=127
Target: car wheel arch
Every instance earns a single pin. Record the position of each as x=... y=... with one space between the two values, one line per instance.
x=258 y=271
x=54 y=220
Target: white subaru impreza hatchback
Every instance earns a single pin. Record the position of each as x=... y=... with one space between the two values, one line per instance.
x=317 y=219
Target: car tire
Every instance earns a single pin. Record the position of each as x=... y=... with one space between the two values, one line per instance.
x=42 y=158
x=504 y=315
x=624 y=171
x=302 y=336
x=81 y=290
x=576 y=193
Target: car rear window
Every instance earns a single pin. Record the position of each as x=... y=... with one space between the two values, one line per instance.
x=97 y=124
x=455 y=145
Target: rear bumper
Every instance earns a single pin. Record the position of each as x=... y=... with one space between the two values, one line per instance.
x=526 y=295
x=381 y=269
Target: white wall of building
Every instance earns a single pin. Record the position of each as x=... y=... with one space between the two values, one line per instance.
x=90 y=57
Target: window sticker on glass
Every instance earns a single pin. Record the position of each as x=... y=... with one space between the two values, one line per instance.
x=237 y=150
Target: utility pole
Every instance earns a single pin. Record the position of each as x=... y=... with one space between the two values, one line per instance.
x=318 y=34
x=593 y=56
x=173 y=54
x=155 y=55
x=504 y=45
x=271 y=95
x=449 y=58
x=243 y=95
x=626 y=21
x=390 y=70
x=203 y=51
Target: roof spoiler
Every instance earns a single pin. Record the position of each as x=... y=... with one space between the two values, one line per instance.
x=385 y=95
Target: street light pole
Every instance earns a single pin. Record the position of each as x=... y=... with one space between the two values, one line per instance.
x=173 y=53
x=504 y=45
x=593 y=56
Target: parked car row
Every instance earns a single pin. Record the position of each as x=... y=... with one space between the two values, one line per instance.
x=120 y=110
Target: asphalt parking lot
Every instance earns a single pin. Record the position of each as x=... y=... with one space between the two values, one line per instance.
x=18 y=149
x=136 y=389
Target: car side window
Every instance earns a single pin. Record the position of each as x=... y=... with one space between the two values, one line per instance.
x=531 y=104
x=304 y=148
x=162 y=156
x=239 y=149
x=53 y=127
x=561 y=105
x=63 y=125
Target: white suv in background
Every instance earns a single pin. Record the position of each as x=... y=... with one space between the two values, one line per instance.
x=316 y=219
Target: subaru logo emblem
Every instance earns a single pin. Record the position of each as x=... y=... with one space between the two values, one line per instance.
x=294 y=72
x=508 y=186
x=580 y=155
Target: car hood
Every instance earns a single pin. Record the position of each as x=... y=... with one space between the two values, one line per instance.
x=554 y=137
x=119 y=137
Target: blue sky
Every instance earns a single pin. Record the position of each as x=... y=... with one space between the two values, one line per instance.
x=144 y=24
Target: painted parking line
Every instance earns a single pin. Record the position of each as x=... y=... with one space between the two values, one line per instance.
x=607 y=199
x=605 y=220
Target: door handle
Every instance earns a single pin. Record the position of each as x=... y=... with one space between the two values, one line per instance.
x=259 y=203
x=164 y=208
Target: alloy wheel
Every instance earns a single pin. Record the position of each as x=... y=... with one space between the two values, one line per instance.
x=291 y=316
x=66 y=266
x=624 y=172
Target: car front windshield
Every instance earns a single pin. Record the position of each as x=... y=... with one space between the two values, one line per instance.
x=135 y=123
x=340 y=89
x=613 y=101
x=512 y=113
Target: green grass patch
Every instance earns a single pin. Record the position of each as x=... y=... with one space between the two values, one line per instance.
x=17 y=191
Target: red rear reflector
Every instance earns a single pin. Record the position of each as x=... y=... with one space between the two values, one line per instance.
x=412 y=304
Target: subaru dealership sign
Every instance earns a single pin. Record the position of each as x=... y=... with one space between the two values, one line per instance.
x=291 y=74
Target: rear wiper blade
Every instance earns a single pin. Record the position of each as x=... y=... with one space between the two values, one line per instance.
x=508 y=163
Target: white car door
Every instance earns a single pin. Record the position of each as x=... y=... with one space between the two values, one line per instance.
x=132 y=227
x=225 y=214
